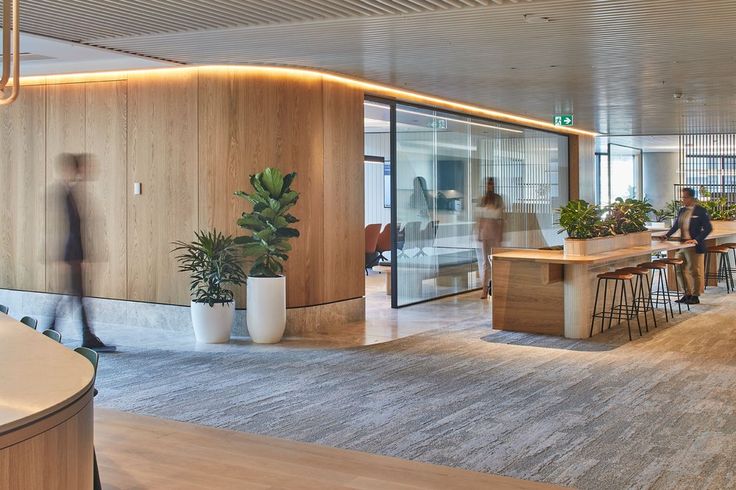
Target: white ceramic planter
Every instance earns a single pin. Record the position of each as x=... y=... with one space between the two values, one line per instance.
x=266 y=309
x=213 y=324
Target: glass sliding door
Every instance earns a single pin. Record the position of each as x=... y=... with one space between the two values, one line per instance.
x=625 y=172
x=442 y=162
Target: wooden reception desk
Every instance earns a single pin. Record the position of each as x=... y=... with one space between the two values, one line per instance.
x=46 y=414
x=545 y=291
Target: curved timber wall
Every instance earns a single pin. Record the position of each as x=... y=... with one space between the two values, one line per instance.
x=191 y=137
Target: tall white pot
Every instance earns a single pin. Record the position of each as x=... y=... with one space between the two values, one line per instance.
x=213 y=324
x=266 y=309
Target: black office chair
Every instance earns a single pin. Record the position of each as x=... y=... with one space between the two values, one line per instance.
x=30 y=321
x=52 y=334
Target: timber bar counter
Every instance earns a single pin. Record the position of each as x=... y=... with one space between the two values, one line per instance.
x=46 y=412
x=547 y=292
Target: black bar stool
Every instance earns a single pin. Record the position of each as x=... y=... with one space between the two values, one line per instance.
x=732 y=248
x=677 y=267
x=619 y=307
x=724 y=267
x=660 y=296
x=643 y=299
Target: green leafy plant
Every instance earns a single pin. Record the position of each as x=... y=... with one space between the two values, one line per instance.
x=213 y=262
x=669 y=211
x=581 y=220
x=628 y=215
x=720 y=209
x=268 y=224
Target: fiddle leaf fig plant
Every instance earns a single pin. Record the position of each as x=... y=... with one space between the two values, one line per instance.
x=213 y=262
x=268 y=224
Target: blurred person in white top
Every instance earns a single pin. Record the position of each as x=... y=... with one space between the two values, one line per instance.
x=489 y=229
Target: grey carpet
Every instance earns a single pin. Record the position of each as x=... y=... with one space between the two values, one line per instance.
x=654 y=413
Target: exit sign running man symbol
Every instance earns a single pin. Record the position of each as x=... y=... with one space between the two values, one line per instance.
x=563 y=120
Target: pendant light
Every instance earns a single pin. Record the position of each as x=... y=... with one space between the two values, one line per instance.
x=6 y=100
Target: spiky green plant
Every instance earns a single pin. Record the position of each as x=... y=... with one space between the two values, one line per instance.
x=213 y=262
x=268 y=223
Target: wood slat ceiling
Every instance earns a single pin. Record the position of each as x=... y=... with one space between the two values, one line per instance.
x=615 y=64
x=123 y=18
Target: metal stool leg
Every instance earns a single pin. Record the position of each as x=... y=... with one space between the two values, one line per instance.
x=595 y=307
x=625 y=303
x=662 y=289
x=613 y=303
x=642 y=300
x=651 y=303
x=635 y=308
x=727 y=273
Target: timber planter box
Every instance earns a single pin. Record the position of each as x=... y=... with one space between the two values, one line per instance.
x=593 y=246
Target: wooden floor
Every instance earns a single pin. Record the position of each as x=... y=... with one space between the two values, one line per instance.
x=137 y=452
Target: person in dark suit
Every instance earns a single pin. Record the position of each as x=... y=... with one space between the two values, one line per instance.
x=695 y=226
x=71 y=171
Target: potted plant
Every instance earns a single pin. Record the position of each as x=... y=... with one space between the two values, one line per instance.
x=585 y=228
x=667 y=213
x=628 y=218
x=212 y=261
x=267 y=243
x=719 y=209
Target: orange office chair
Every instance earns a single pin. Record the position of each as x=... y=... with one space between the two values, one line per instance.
x=371 y=241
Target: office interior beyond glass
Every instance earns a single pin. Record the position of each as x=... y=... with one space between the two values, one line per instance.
x=442 y=163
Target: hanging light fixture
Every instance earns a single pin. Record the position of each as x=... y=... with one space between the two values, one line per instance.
x=5 y=100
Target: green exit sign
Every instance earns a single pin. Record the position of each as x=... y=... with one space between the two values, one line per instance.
x=438 y=124
x=563 y=120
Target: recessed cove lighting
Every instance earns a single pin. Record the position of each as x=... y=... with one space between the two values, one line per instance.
x=536 y=19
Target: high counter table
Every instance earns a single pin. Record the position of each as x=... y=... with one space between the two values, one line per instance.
x=548 y=292
x=46 y=412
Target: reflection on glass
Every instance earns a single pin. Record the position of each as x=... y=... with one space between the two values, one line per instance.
x=443 y=163
x=625 y=172
x=604 y=187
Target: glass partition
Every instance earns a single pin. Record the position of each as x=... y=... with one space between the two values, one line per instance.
x=625 y=173
x=442 y=164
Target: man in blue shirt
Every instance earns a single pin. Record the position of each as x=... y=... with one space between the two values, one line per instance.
x=694 y=225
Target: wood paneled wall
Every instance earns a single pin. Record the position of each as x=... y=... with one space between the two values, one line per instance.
x=23 y=170
x=301 y=124
x=192 y=138
x=582 y=167
x=344 y=197
x=163 y=157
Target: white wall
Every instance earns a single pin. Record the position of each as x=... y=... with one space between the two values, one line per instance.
x=660 y=175
x=376 y=144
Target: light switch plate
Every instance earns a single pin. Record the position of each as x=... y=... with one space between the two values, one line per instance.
x=136 y=188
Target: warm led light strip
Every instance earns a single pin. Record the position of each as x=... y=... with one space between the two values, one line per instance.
x=370 y=87
x=6 y=52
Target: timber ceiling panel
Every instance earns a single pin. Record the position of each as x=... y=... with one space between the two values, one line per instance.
x=616 y=64
x=123 y=18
